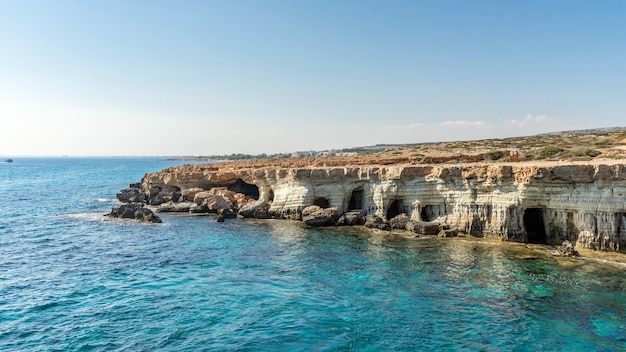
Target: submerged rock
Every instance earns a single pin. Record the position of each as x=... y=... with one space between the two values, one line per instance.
x=567 y=249
x=423 y=227
x=448 y=233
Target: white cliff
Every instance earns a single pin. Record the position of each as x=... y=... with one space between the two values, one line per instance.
x=582 y=203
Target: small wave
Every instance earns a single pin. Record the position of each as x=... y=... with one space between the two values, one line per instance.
x=101 y=217
x=87 y=216
x=106 y=200
x=44 y=306
x=131 y=222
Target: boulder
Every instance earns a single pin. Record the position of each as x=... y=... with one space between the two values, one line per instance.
x=212 y=201
x=227 y=213
x=236 y=200
x=567 y=249
x=146 y=215
x=424 y=227
x=376 y=222
x=352 y=218
x=317 y=216
x=131 y=195
x=258 y=209
x=135 y=211
x=216 y=202
x=399 y=222
x=188 y=194
x=164 y=197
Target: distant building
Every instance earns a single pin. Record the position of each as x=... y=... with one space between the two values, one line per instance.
x=303 y=154
x=513 y=154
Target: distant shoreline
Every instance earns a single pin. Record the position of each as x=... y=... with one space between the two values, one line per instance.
x=197 y=158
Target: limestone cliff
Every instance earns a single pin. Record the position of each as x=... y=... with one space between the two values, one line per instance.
x=543 y=203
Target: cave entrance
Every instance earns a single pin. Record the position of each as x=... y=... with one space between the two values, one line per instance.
x=321 y=202
x=356 y=200
x=426 y=214
x=240 y=186
x=535 y=228
x=395 y=209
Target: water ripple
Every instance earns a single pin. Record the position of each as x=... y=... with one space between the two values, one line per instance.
x=71 y=281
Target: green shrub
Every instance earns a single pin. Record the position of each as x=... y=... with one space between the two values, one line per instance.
x=550 y=152
x=577 y=152
x=606 y=142
x=495 y=155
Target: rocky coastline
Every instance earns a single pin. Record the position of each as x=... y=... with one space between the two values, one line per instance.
x=583 y=204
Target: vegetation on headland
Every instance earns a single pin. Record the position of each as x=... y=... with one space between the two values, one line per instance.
x=580 y=145
x=232 y=157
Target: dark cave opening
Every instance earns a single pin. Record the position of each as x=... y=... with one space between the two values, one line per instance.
x=426 y=213
x=321 y=202
x=535 y=228
x=395 y=209
x=251 y=191
x=356 y=200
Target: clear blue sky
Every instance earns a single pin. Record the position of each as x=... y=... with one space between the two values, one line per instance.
x=215 y=77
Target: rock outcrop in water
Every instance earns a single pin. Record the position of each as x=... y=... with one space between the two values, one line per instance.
x=542 y=203
x=135 y=211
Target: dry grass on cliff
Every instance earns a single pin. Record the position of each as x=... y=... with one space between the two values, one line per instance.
x=554 y=147
x=550 y=148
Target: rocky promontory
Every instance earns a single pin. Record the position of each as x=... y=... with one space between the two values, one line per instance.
x=535 y=202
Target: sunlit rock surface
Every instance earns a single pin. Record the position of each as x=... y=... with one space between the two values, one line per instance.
x=581 y=203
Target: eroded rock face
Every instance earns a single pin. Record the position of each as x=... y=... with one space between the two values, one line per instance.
x=581 y=203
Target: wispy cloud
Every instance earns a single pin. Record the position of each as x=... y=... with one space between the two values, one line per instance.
x=530 y=119
x=464 y=123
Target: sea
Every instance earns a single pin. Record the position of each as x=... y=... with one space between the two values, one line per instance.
x=74 y=280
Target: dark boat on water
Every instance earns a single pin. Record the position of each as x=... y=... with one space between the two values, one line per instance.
x=8 y=160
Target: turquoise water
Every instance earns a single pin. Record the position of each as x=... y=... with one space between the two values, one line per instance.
x=70 y=280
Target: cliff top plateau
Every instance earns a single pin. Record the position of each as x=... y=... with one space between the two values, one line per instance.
x=550 y=149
